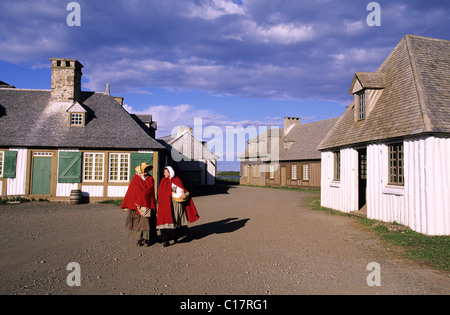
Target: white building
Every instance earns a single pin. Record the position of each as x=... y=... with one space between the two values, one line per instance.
x=62 y=139
x=390 y=150
x=193 y=161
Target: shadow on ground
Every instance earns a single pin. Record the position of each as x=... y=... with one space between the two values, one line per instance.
x=229 y=225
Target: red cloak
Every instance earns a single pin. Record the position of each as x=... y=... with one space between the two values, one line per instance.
x=140 y=192
x=164 y=212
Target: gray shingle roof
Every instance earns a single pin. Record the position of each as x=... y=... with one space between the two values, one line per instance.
x=415 y=98
x=305 y=138
x=29 y=119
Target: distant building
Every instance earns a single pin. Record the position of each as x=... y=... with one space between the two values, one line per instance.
x=257 y=158
x=389 y=153
x=191 y=158
x=298 y=164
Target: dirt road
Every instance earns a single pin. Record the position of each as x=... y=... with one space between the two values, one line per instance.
x=249 y=240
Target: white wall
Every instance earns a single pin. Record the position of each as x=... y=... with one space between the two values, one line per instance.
x=16 y=186
x=423 y=203
x=342 y=195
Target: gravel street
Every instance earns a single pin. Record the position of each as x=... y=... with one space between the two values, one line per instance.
x=248 y=241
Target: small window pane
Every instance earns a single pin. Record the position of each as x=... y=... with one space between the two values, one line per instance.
x=306 y=171
x=294 y=171
x=76 y=119
x=396 y=166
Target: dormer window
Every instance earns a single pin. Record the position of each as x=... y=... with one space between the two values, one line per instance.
x=288 y=144
x=77 y=115
x=362 y=105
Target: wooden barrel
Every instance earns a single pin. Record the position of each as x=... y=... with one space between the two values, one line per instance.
x=75 y=197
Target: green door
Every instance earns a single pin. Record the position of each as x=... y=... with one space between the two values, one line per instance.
x=42 y=174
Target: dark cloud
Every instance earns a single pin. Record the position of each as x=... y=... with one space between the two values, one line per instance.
x=279 y=49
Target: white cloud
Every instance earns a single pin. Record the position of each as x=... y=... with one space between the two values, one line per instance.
x=361 y=56
x=354 y=27
x=213 y=9
x=281 y=33
x=170 y=117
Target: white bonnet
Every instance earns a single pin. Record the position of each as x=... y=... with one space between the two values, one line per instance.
x=171 y=171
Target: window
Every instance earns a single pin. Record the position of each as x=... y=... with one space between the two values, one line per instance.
x=255 y=170
x=272 y=171
x=305 y=171
x=93 y=167
x=337 y=166
x=76 y=119
x=362 y=106
x=396 y=166
x=294 y=172
x=119 y=166
x=1 y=163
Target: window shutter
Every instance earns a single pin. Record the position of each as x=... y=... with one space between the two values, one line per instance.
x=69 y=169
x=137 y=159
x=10 y=163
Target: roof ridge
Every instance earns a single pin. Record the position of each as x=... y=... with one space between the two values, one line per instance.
x=418 y=84
x=426 y=38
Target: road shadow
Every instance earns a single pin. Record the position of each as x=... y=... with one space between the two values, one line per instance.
x=219 y=189
x=229 y=225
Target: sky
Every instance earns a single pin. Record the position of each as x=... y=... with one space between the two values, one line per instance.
x=229 y=63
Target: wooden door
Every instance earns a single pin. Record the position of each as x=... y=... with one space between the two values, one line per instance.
x=42 y=176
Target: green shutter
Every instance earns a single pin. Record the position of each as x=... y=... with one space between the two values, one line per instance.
x=69 y=167
x=10 y=163
x=137 y=159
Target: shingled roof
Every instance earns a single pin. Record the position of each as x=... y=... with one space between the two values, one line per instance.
x=28 y=118
x=305 y=139
x=415 y=98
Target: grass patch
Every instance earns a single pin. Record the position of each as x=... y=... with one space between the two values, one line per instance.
x=432 y=251
x=304 y=189
x=228 y=178
x=117 y=203
x=18 y=200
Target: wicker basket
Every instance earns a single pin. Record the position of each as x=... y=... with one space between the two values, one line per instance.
x=179 y=199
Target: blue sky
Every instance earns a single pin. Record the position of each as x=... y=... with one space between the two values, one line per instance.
x=231 y=63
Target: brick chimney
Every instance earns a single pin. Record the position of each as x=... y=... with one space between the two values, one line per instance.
x=66 y=80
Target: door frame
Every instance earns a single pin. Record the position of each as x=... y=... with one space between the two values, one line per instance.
x=362 y=177
x=49 y=154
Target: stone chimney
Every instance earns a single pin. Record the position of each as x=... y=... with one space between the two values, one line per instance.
x=289 y=122
x=182 y=130
x=66 y=80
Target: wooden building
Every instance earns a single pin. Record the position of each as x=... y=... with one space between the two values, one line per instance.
x=300 y=160
x=389 y=152
x=193 y=161
x=297 y=163
x=63 y=139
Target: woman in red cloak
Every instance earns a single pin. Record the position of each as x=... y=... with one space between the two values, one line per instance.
x=140 y=203
x=173 y=214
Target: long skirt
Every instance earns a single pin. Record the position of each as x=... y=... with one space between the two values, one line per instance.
x=179 y=227
x=139 y=224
